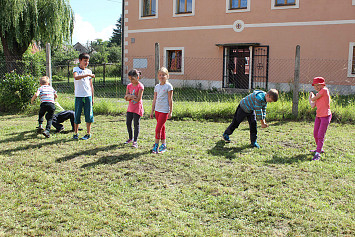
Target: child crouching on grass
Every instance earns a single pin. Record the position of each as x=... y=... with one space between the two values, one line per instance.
x=47 y=96
x=134 y=93
x=162 y=107
x=252 y=107
x=324 y=115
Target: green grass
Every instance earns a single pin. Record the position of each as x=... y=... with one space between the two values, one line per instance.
x=200 y=187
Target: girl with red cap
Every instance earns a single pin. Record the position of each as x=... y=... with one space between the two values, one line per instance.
x=324 y=115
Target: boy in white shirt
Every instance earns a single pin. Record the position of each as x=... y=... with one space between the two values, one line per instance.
x=84 y=95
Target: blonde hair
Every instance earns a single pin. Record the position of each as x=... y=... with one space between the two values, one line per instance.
x=44 y=80
x=164 y=70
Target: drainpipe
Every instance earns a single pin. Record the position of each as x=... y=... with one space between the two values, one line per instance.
x=122 y=41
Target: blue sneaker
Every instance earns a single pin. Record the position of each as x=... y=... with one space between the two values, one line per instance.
x=155 y=148
x=255 y=145
x=226 y=137
x=316 y=156
x=76 y=136
x=162 y=148
x=86 y=137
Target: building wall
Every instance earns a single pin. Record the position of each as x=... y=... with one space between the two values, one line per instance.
x=323 y=29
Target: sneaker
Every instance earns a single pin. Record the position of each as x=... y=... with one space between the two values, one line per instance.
x=314 y=151
x=255 y=145
x=226 y=137
x=316 y=156
x=128 y=141
x=162 y=148
x=86 y=137
x=135 y=144
x=155 y=148
x=46 y=133
x=76 y=136
x=40 y=129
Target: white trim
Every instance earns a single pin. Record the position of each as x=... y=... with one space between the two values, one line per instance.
x=141 y=17
x=350 y=61
x=354 y=2
x=126 y=3
x=273 y=7
x=250 y=64
x=237 y=10
x=215 y=27
x=175 y=14
x=182 y=59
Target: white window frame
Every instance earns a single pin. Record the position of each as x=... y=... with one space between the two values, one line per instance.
x=141 y=17
x=175 y=14
x=273 y=7
x=237 y=10
x=166 y=49
x=354 y=2
x=350 y=60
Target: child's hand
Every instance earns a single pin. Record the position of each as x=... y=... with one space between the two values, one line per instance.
x=92 y=75
x=151 y=115
x=170 y=115
x=264 y=125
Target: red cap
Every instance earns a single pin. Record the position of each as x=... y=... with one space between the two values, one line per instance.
x=318 y=80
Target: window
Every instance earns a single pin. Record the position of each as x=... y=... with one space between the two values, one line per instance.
x=237 y=6
x=284 y=4
x=351 y=66
x=184 y=8
x=148 y=9
x=174 y=60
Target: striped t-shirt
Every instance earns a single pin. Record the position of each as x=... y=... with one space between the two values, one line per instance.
x=46 y=93
x=255 y=101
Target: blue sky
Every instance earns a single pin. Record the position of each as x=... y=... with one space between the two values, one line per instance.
x=95 y=19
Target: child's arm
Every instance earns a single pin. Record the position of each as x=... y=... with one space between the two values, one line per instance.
x=34 y=97
x=264 y=124
x=170 y=98
x=316 y=97
x=92 y=91
x=55 y=96
x=127 y=97
x=79 y=77
x=139 y=97
x=153 y=105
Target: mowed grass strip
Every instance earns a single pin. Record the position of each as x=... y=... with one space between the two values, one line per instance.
x=200 y=187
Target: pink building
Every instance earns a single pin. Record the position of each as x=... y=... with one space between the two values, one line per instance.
x=242 y=43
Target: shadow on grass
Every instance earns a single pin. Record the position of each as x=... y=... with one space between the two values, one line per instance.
x=21 y=148
x=277 y=159
x=87 y=153
x=21 y=136
x=110 y=160
x=229 y=152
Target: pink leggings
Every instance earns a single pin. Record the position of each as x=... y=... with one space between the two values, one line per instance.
x=160 y=128
x=320 y=128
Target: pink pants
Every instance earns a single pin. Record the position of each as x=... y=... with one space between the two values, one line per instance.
x=160 y=128
x=320 y=128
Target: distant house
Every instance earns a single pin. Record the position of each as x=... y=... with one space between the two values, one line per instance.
x=80 y=48
x=242 y=43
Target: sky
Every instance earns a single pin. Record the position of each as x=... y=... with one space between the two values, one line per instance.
x=95 y=19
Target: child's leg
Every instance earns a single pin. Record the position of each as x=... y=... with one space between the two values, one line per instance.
x=316 y=128
x=324 y=122
x=136 y=119
x=129 y=118
x=160 y=128
x=237 y=119
x=88 y=112
x=49 y=115
x=78 y=108
x=41 y=113
x=252 y=127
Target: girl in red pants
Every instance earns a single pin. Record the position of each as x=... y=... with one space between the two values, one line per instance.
x=163 y=108
x=324 y=115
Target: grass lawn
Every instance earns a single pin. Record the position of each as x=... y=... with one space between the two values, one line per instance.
x=200 y=187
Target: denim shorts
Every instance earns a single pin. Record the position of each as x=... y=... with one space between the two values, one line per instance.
x=85 y=102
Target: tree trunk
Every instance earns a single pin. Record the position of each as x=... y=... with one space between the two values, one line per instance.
x=13 y=55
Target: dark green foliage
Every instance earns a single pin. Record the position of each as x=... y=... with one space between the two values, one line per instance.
x=16 y=91
x=116 y=34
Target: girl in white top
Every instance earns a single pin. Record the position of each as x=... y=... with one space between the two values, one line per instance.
x=162 y=107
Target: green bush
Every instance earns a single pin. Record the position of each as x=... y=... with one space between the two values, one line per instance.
x=16 y=91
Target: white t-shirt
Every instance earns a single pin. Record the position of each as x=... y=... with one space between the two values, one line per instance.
x=162 y=101
x=82 y=86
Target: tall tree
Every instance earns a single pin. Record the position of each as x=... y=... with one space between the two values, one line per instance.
x=25 y=21
x=116 y=34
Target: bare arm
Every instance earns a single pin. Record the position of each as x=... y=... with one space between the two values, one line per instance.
x=316 y=97
x=170 y=98
x=34 y=97
x=153 y=105
x=139 y=97
x=79 y=77
x=92 y=91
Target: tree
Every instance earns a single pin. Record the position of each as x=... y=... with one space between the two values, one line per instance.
x=116 y=34
x=25 y=21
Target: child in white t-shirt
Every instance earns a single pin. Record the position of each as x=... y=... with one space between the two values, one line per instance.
x=163 y=108
x=84 y=95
